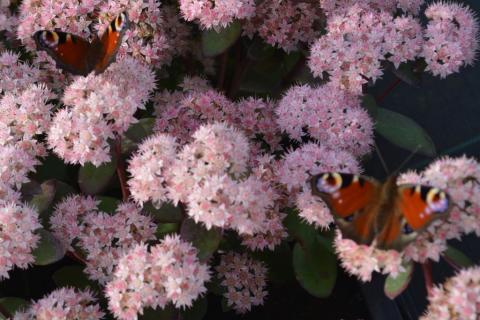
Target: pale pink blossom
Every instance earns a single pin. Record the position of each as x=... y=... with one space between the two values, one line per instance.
x=149 y=167
x=105 y=238
x=457 y=298
x=451 y=37
x=216 y=14
x=331 y=7
x=327 y=114
x=66 y=220
x=244 y=280
x=15 y=165
x=16 y=75
x=285 y=24
x=270 y=237
x=170 y=272
x=356 y=42
x=18 y=223
x=362 y=260
x=63 y=304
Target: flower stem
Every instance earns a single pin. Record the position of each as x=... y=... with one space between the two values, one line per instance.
x=75 y=256
x=241 y=65
x=121 y=173
x=5 y=313
x=427 y=274
x=388 y=90
x=221 y=73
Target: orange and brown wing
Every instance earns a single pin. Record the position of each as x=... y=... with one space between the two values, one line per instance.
x=110 y=42
x=421 y=205
x=351 y=199
x=69 y=51
x=416 y=206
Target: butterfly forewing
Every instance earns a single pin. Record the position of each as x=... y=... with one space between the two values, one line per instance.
x=349 y=198
x=111 y=41
x=69 y=51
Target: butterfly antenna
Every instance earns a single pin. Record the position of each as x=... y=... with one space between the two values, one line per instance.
x=384 y=164
x=407 y=159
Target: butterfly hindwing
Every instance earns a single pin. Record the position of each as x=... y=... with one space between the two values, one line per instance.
x=111 y=41
x=349 y=198
x=78 y=56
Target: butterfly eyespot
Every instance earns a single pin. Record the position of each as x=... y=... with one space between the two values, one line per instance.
x=49 y=38
x=437 y=200
x=329 y=182
x=349 y=218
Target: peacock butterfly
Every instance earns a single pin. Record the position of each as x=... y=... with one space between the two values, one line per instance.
x=366 y=210
x=78 y=56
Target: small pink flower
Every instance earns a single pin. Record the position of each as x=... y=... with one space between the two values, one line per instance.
x=451 y=38
x=18 y=223
x=244 y=280
x=63 y=303
x=271 y=236
x=327 y=114
x=68 y=215
x=284 y=24
x=216 y=14
x=14 y=74
x=148 y=168
x=15 y=165
x=170 y=272
x=457 y=298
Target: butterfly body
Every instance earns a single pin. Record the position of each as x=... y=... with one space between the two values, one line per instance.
x=79 y=56
x=387 y=214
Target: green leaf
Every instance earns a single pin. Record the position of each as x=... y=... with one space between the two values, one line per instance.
x=108 y=204
x=167 y=213
x=457 y=257
x=39 y=195
x=395 y=286
x=166 y=228
x=197 y=311
x=12 y=305
x=315 y=268
x=92 y=180
x=52 y=168
x=137 y=132
x=49 y=250
x=404 y=132
x=298 y=228
x=279 y=272
x=206 y=241
x=73 y=276
x=369 y=103
x=215 y=43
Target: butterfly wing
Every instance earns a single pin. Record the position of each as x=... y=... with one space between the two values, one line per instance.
x=416 y=206
x=69 y=51
x=351 y=200
x=110 y=42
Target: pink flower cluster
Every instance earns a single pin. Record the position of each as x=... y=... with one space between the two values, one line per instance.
x=15 y=165
x=295 y=172
x=451 y=38
x=25 y=115
x=100 y=107
x=170 y=272
x=244 y=280
x=146 y=39
x=459 y=177
x=180 y=113
x=358 y=40
x=104 y=238
x=149 y=167
x=18 y=223
x=216 y=14
x=327 y=114
x=63 y=304
x=457 y=298
x=16 y=76
x=7 y=20
x=332 y=7
x=284 y=24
